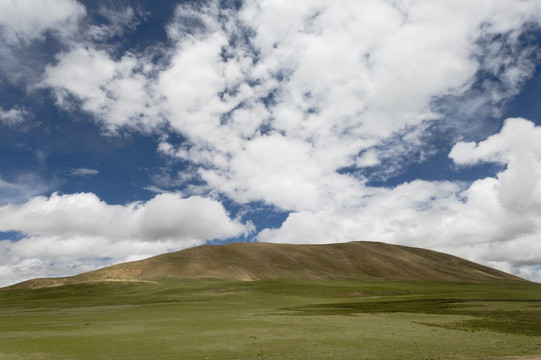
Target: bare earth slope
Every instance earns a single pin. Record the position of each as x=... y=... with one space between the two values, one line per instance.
x=261 y=261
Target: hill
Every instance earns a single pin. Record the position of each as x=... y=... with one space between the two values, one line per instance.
x=263 y=261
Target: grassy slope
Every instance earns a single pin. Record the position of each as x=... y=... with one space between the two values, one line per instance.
x=273 y=319
x=263 y=261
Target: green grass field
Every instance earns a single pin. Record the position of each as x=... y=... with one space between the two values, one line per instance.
x=279 y=319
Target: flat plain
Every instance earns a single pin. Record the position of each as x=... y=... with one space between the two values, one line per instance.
x=272 y=319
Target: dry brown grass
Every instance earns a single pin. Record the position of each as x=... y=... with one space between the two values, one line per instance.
x=262 y=261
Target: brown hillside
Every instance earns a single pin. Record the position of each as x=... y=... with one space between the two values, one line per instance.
x=260 y=261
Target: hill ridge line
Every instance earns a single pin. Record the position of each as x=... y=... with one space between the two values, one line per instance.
x=250 y=261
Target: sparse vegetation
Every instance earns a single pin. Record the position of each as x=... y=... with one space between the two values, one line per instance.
x=360 y=260
x=272 y=319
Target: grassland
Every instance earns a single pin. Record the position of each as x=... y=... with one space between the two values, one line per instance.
x=276 y=319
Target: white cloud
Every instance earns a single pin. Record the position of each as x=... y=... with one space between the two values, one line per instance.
x=166 y=216
x=285 y=173
x=80 y=228
x=495 y=221
x=13 y=117
x=26 y=24
x=319 y=85
x=22 y=187
x=114 y=91
x=389 y=215
x=517 y=138
x=342 y=77
x=25 y=20
x=517 y=146
x=119 y=20
x=84 y=172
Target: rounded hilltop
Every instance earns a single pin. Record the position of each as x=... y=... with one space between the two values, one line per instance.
x=361 y=260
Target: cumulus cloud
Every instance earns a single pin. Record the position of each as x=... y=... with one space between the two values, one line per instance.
x=25 y=26
x=114 y=91
x=495 y=221
x=81 y=228
x=166 y=216
x=26 y=20
x=314 y=105
x=519 y=186
x=238 y=82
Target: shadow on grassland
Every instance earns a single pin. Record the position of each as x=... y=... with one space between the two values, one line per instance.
x=510 y=316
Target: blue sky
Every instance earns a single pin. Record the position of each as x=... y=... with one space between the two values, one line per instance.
x=128 y=129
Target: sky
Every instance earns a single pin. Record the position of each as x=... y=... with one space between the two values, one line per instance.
x=134 y=128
